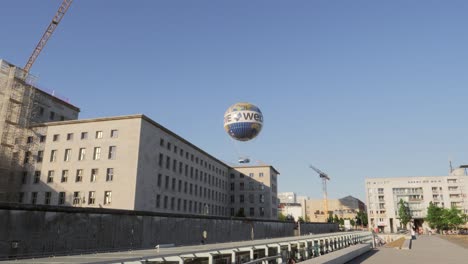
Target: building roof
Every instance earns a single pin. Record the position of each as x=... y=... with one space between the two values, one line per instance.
x=135 y=116
x=256 y=166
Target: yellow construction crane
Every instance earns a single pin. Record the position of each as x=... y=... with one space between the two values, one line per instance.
x=324 y=178
x=50 y=29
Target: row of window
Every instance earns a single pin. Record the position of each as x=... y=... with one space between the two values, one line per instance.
x=241 y=211
x=78 y=198
x=51 y=114
x=261 y=186
x=190 y=188
x=191 y=157
x=194 y=173
x=109 y=173
x=251 y=175
x=261 y=198
x=184 y=205
x=114 y=133
x=112 y=153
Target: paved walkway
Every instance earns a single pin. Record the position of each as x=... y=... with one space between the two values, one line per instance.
x=425 y=249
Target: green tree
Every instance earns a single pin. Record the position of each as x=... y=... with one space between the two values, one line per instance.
x=434 y=216
x=453 y=218
x=330 y=218
x=403 y=213
x=336 y=220
x=300 y=219
x=362 y=218
x=352 y=222
x=341 y=221
x=281 y=217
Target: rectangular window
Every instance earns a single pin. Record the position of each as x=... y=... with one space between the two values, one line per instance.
x=252 y=211
x=168 y=162
x=21 y=197
x=27 y=156
x=110 y=174
x=42 y=139
x=91 y=197
x=76 y=198
x=114 y=133
x=241 y=186
x=84 y=135
x=251 y=175
x=61 y=199
x=24 y=178
x=166 y=185
x=56 y=137
x=47 y=197
x=53 y=155
x=241 y=198
x=161 y=142
x=79 y=175
x=159 y=179
x=107 y=197
x=29 y=140
x=158 y=201
x=51 y=115
x=180 y=185
x=174 y=165
x=262 y=198
x=165 y=202
x=37 y=176
x=50 y=176
x=64 y=176
x=33 y=197
x=40 y=155
x=169 y=145
x=97 y=153
x=232 y=186
x=260 y=174
x=112 y=152
x=41 y=111
x=178 y=204
x=172 y=203
x=67 y=155
x=82 y=154
x=232 y=198
x=161 y=158
x=70 y=136
x=94 y=173
x=262 y=211
x=98 y=134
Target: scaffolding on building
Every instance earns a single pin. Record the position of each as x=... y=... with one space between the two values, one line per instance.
x=17 y=107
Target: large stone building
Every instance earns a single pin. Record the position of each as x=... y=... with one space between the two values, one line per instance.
x=131 y=162
x=346 y=208
x=383 y=195
x=22 y=104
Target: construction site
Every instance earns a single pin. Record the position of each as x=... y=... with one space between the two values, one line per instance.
x=21 y=105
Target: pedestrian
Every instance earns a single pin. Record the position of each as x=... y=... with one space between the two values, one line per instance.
x=291 y=260
x=413 y=234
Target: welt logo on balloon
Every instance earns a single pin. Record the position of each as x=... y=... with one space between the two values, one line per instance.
x=243 y=116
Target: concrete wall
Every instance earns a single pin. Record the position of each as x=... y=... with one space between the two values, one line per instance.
x=51 y=230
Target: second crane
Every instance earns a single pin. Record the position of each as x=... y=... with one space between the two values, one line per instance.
x=324 y=178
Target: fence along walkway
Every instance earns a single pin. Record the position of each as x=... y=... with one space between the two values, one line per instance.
x=301 y=247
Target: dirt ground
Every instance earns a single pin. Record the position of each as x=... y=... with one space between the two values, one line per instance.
x=461 y=240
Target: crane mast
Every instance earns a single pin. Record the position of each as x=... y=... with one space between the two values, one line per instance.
x=324 y=178
x=50 y=29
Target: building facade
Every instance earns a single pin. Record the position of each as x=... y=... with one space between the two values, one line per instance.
x=346 y=208
x=22 y=104
x=254 y=191
x=383 y=195
x=132 y=162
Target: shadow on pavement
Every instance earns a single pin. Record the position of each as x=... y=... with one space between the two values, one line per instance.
x=363 y=257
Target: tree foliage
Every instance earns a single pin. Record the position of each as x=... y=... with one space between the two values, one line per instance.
x=444 y=218
x=403 y=213
x=361 y=218
x=281 y=217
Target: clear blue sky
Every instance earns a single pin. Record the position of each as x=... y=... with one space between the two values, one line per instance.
x=357 y=88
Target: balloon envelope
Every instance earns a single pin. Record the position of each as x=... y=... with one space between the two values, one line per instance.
x=243 y=121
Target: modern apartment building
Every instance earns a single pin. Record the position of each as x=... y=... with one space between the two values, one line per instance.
x=131 y=162
x=22 y=104
x=383 y=195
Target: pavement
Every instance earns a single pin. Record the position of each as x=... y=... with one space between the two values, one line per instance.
x=425 y=249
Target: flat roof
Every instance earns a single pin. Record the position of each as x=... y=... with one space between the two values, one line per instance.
x=256 y=166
